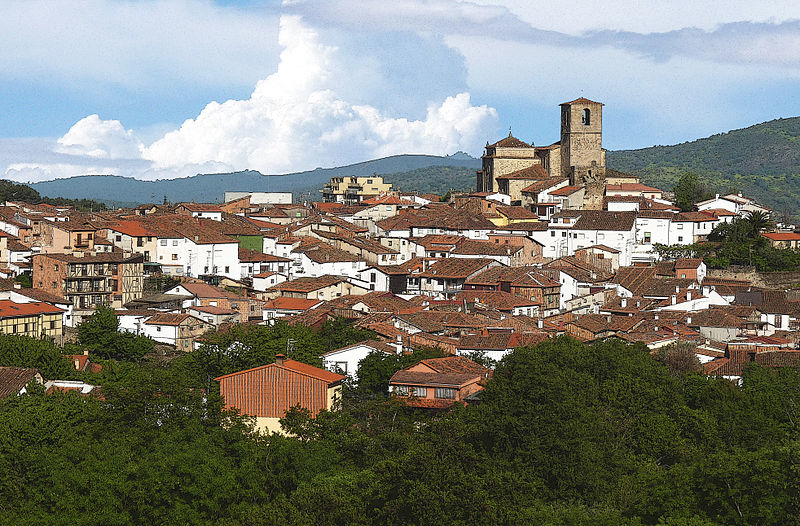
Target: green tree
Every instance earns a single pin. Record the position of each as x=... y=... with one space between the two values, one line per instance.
x=100 y=334
x=689 y=190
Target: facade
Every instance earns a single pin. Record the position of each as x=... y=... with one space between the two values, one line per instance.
x=354 y=189
x=35 y=319
x=439 y=383
x=87 y=281
x=267 y=392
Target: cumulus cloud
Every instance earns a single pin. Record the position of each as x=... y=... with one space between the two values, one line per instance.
x=293 y=121
x=97 y=138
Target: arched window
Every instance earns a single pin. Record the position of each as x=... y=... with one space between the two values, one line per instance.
x=586 y=118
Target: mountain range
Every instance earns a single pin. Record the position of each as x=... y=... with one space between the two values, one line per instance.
x=762 y=161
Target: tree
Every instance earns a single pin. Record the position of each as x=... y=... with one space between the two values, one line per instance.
x=689 y=190
x=99 y=333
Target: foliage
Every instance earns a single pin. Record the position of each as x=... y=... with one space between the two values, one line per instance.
x=737 y=243
x=377 y=368
x=567 y=433
x=680 y=357
x=247 y=346
x=24 y=280
x=100 y=334
x=42 y=354
x=689 y=190
x=761 y=161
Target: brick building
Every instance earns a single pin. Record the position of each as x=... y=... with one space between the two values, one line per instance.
x=87 y=281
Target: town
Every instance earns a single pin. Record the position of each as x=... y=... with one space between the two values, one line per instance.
x=552 y=243
x=287 y=311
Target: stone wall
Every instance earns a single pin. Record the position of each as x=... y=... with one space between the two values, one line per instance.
x=772 y=280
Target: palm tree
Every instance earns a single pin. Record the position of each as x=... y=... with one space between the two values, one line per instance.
x=759 y=221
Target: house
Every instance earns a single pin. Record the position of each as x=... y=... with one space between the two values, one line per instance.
x=21 y=295
x=200 y=210
x=735 y=203
x=33 y=318
x=496 y=345
x=283 y=306
x=265 y=280
x=87 y=281
x=178 y=330
x=268 y=392
x=633 y=190
x=439 y=383
x=354 y=189
x=195 y=294
x=14 y=380
x=214 y=315
x=446 y=278
x=783 y=239
x=346 y=359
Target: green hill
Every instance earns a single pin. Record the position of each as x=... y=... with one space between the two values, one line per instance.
x=762 y=161
x=210 y=187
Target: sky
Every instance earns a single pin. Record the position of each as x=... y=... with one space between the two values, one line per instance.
x=169 y=88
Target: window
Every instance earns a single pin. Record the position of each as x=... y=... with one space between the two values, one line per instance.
x=55 y=267
x=552 y=233
x=419 y=392
x=401 y=390
x=647 y=237
x=227 y=269
x=55 y=284
x=680 y=226
x=119 y=237
x=586 y=117
x=680 y=238
x=174 y=242
x=445 y=392
x=174 y=257
x=338 y=367
x=163 y=242
x=158 y=329
x=563 y=234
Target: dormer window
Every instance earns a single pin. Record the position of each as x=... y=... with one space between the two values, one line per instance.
x=586 y=117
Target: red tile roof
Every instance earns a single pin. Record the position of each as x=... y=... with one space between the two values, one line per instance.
x=10 y=309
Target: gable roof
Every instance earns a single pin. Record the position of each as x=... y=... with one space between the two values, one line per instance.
x=13 y=379
x=510 y=142
x=296 y=367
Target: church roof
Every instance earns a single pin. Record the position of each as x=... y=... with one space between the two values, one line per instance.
x=581 y=100
x=510 y=142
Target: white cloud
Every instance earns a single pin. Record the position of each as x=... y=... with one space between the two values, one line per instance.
x=97 y=138
x=293 y=121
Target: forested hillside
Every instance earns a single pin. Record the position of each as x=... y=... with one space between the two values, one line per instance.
x=762 y=161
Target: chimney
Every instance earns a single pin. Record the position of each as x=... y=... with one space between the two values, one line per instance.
x=677 y=289
x=716 y=196
x=688 y=295
x=624 y=303
x=280 y=358
x=540 y=323
x=86 y=352
x=674 y=299
x=688 y=320
x=17 y=285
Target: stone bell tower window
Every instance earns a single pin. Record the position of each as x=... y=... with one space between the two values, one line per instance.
x=586 y=117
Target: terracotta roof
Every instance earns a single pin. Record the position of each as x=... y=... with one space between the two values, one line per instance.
x=544 y=184
x=10 y=309
x=688 y=263
x=167 y=318
x=517 y=212
x=510 y=142
x=567 y=190
x=456 y=268
x=500 y=341
x=210 y=309
x=782 y=236
x=486 y=248
x=253 y=256
x=631 y=187
x=374 y=344
x=13 y=379
x=295 y=366
x=581 y=100
x=308 y=284
x=604 y=220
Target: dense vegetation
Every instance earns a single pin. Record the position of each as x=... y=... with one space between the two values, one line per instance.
x=434 y=180
x=567 y=433
x=762 y=161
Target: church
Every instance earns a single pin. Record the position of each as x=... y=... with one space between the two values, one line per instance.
x=578 y=159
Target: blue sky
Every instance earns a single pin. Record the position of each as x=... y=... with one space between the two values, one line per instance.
x=158 y=88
